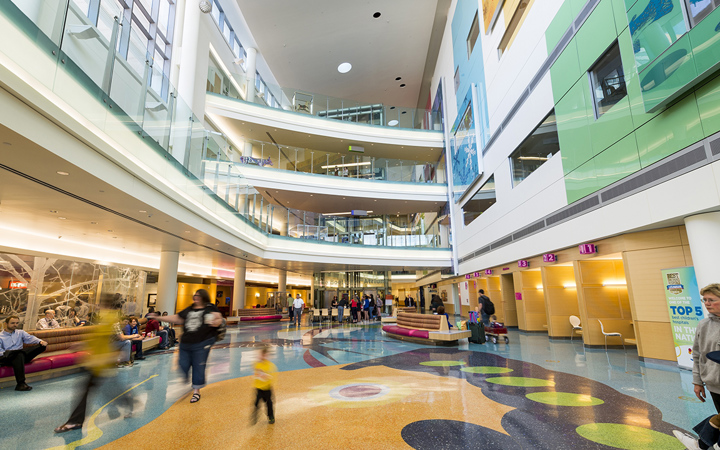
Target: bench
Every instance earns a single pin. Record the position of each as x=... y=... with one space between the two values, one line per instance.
x=424 y=328
x=399 y=309
x=255 y=315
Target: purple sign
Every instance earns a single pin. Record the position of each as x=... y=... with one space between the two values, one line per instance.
x=518 y=296
x=488 y=271
x=587 y=249
x=468 y=276
x=523 y=263
x=549 y=257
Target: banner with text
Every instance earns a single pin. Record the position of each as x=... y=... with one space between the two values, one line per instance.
x=464 y=292
x=685 y=309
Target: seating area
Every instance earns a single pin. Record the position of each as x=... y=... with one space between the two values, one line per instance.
x=254 y=315
x=424 y=328
x=399 y=309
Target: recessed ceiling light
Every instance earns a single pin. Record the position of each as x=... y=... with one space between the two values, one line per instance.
x=62 y=173
x=402 y=85
x=311 y=195
x=398 y=78
x=93 y=223
x=393 y=122
x=392 y=107
x=110 y=231
x=187 y=231
x=344 y=67
x=62 y=218
x=142 y=211
x=54 y=211
x=377 y=15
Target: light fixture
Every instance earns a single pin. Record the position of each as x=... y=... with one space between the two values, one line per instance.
x=205 y=6
x=569 y=286
x=257 y=294
x=377 y=15
x=54 y=211
x=355 y=164
x=539 y=287
x=239 y=61
x=93 y=223
x=393 y=123
x=344 y=67
x=402 y=85
x=341 y=213
x=398 y=78
x=142 y=211
x=532 y=158
x=62 y=218
x=59 y=172
x=614 y=283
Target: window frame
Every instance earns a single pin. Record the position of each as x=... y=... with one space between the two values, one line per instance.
x=512 y=157
x=591 y=79
x=474 y=27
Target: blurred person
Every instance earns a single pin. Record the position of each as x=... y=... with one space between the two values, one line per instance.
x=48 y=322
x=264 y=379
x=82 y=310
x=366 y=308
x=298 y=305
x=153 y=326
x=132 y=330
x=169 y=328
x=102 y=355
x=354 y=309
x=441 y=312
x=71 y=320
x=150 y=311
x=14 y=354
x=200 y=322
x=121 y=342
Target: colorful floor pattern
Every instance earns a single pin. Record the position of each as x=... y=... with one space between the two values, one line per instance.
x=353 y=387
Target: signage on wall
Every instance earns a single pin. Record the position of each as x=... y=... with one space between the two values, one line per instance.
x=468 y=276
x=506 y=268
x=464 y=293
x=488 y=271
x=685 y=309
x=255 y=161
x=549 y=257
x=476 y=274
x=587 y=249
x=518 y=296
x=523 y=263
x=17 y=285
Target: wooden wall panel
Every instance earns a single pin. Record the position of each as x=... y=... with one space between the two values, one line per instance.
x=507 y=291
x=662 y=237
x=655 y=340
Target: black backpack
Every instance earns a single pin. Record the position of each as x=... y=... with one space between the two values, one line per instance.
x=488 y=306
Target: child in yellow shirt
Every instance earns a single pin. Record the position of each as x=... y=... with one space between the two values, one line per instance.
x=263 y=383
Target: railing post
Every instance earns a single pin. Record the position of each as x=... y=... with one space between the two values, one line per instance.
x=312 y=155
x=110 y=60
x=143 y=94
x=227 y=185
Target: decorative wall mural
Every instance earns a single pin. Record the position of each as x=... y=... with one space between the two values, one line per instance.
x=464 y=148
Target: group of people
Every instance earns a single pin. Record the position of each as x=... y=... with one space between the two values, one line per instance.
x=67 y=317
x=365 y=310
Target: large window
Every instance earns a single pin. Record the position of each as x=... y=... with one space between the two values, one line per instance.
x=480 y=202
x=473 y=35
x=608 y=81
x=537 y=148
x=699 y=9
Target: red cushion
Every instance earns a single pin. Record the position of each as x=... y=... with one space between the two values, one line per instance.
x=251 y=318
x=65 y=360
x=394 y=329
x=38 y=365
x=420 y=334
x=6 y=371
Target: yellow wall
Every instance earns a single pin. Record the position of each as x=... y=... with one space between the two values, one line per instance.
x=560 y=301
x=251 y=299
x=187 y=290
x=531 y=311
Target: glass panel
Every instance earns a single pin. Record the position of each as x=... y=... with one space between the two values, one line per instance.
x=473 y=35
x=137 y=49
x=226 y=31
x=481 y=201
x=164 y=17
x=109 y=9
x=537 y=148
x=608 y=81
x=699 y=9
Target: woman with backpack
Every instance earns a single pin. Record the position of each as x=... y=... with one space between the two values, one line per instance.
x=200 y=323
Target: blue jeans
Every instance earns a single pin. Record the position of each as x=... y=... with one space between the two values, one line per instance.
x=195 y=356
x=341 y=311
x=124 y=347
x=485 y=319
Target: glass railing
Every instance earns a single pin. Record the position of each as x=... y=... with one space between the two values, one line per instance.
x=303 y=102
x=138 y=108
x=274 y=156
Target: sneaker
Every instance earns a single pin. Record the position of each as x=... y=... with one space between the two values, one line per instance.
x=23 y=387
x=685 y=439
x=271 y=421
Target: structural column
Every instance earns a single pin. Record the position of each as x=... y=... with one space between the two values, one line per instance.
x=282 y=283
x=250 y=69
x=239 y=284
x=167 y=282
x=704 y=238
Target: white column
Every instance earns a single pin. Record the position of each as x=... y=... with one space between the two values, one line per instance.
x=704 y=237
x=250 y=69
x=167 y=282
x=239 y=284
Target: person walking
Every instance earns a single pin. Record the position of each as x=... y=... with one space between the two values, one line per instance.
x=341 y=309
x=263 y=382
x=354 y=309
x=200 y=323
x=298 y=305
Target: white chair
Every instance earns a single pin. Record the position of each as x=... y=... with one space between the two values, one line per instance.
x=575 y=324
x=602 y=329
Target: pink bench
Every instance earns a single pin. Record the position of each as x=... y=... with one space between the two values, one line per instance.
x=394 y=329
x=253 y=318
x=46 y=363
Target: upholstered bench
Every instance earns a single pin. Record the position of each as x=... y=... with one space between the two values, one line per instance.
x=255 y=315
x=424 y=328
x=399 y=309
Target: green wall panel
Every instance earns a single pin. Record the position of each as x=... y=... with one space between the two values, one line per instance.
x=654 y=26
x=571 y=113
x=612 y=126
x=672 y=130
x=596 y=34
x=705 y=40
x=708 y=101
x=581 y=182
x=559 y=25
x=632 y=82
x=565 y=72
x=668 y=74
x=621 y=20
x=576 y=6
x=629 y=3
x=617 y=162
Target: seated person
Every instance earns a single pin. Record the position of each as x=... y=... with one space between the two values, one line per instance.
x=151 y=310
x=122 y=343
x=13 y=354
x=71 y=320
x=132 y=330
x=48 y=322
x=441 y=312
x=494 y=323
x=154 y=326
x=83 y=311
x=170 y=330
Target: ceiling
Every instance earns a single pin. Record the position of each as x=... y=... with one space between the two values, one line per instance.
x=303 y=42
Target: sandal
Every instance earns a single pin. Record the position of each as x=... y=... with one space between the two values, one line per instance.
x=195 y=397
x=68 y=427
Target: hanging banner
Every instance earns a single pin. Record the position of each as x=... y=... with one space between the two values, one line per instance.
x=464 y=292
x=685 y=309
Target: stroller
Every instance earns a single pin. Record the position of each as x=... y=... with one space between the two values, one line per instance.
x=496 y=331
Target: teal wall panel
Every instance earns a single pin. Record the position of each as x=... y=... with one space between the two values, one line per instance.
x=617 y=162
x=596 y=34
x=565 y=72
x=672 y=130
x=654 y=26
x=632 y=82
x=581 y=182
x=668 y=74
x=708 y=101
x=612 y=126
x=621 y=21
x=571 y=113
x=705 y=38
x=559 y=25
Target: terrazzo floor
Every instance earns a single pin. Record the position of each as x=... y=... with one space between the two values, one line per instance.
x=354 y=387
